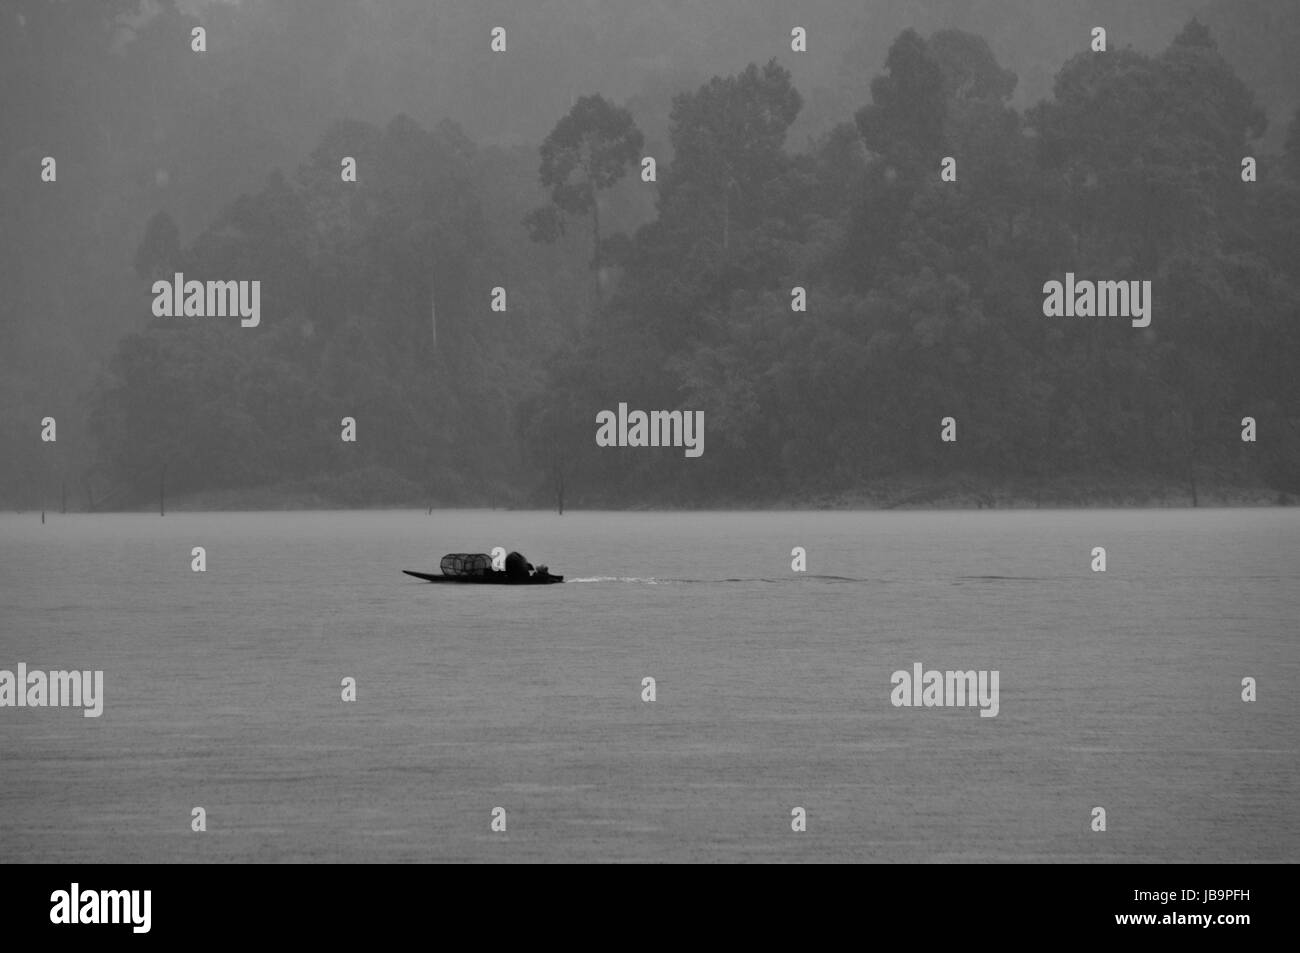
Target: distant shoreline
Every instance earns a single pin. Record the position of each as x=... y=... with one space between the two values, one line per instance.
x=953 y=494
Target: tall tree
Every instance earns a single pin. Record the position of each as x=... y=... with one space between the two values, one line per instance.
x=588 y=150
x=907 y=108
x=728 y=140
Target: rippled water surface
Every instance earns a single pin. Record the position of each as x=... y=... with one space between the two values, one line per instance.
x=222 y=689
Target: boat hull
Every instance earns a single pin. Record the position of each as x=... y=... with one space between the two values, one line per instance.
x=490 y=579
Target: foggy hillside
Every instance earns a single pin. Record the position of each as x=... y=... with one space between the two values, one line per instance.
x=225 y=163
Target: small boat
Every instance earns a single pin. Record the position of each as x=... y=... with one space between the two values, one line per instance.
x=475 y=569
x=488 y=579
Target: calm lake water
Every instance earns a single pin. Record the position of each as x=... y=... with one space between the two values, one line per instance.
x=222 y=689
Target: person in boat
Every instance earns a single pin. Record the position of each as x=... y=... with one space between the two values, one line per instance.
x=517 y=567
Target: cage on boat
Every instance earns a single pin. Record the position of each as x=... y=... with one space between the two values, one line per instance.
x=466 y=564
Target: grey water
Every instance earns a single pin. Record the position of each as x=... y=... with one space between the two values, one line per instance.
x=222 y=690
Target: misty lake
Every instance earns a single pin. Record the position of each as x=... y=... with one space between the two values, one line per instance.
x=222 y=689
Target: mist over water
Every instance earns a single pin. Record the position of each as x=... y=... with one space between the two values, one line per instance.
x=221 y=688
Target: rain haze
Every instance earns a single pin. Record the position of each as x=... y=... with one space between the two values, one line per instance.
x=838 y=432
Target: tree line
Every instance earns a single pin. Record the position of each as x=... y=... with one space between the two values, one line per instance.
x=924 y=296
x=923 y=300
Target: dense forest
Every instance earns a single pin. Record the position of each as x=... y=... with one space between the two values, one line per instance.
x=923 y=296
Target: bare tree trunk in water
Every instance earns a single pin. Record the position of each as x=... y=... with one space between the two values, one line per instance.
x=1190 y=445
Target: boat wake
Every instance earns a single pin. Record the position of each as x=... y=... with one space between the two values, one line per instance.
x=654 y=581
